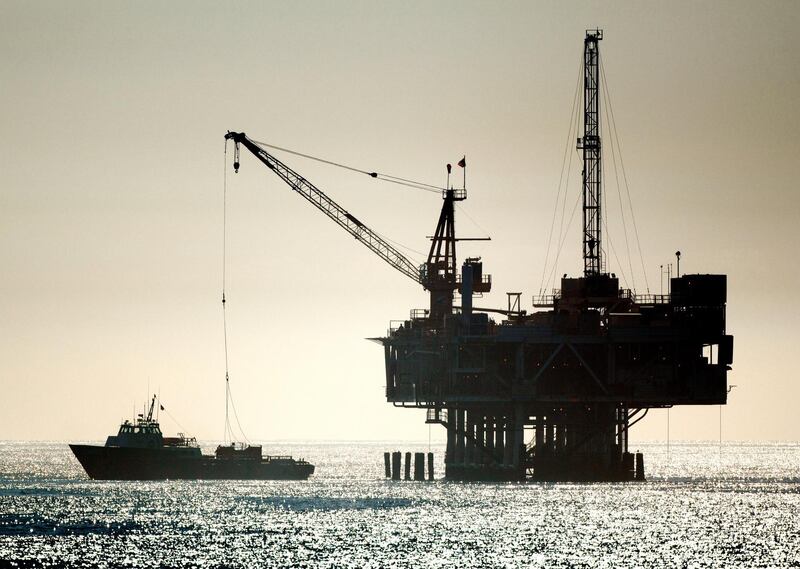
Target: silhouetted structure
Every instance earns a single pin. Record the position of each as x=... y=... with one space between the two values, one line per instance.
x=139 y=451
x=577 y=373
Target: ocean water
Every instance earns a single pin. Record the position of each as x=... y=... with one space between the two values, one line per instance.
x=700 y=507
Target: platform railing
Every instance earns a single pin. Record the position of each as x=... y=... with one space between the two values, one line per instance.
x=546 y=300
x=419 y=313
x=436 y=415
x=651 y=299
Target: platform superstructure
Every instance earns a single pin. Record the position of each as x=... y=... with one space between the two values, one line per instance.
x=552 y=394
x=549 y=394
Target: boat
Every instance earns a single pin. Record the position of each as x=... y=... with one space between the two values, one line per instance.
x=140 y=451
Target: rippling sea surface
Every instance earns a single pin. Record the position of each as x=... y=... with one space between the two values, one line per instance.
x=700 y=507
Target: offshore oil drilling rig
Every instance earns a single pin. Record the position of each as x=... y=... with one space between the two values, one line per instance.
x=576 y=374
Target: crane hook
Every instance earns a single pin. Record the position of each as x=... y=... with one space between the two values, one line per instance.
x=236 y=157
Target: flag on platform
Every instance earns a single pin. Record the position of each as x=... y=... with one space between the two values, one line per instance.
x=463 y=162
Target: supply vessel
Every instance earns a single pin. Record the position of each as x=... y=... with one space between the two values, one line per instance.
x=139 y=451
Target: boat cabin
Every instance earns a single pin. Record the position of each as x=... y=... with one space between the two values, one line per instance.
x=235 y=452
x=145 y=432
x=142 y=434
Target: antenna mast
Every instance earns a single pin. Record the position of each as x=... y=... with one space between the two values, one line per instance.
x=590 y=144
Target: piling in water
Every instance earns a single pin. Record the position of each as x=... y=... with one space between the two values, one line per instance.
x=628 y=462
x=639 y=466
x=396 y=465
x=419 y=466
x=393 y=463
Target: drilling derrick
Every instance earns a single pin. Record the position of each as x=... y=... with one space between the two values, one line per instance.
x=590 y=145
x=552 y=395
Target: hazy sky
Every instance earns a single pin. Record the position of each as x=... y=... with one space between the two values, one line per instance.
x=111 y=175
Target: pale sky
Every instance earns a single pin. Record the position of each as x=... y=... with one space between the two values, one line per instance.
x=111 y=175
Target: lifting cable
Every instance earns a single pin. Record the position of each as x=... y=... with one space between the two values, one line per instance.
x=376 y=175
x=236 y=416
x=224 y=263
x=228 y=398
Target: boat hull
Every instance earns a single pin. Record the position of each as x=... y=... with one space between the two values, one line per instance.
x=124 y=463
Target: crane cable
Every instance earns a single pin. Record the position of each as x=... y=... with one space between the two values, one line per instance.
x=228 y=397
x=376 y=175
x=402 y=246
x=224 y=263
x=472 y=219
x=401 y=181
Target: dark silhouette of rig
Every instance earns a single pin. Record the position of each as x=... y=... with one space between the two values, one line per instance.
x=577 y=373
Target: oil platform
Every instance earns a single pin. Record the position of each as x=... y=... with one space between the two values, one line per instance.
x=548 y=395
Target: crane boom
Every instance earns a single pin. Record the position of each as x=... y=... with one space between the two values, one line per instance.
x=326 y=205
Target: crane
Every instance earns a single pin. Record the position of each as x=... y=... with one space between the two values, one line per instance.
x=437 y=274
x=326 y=205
